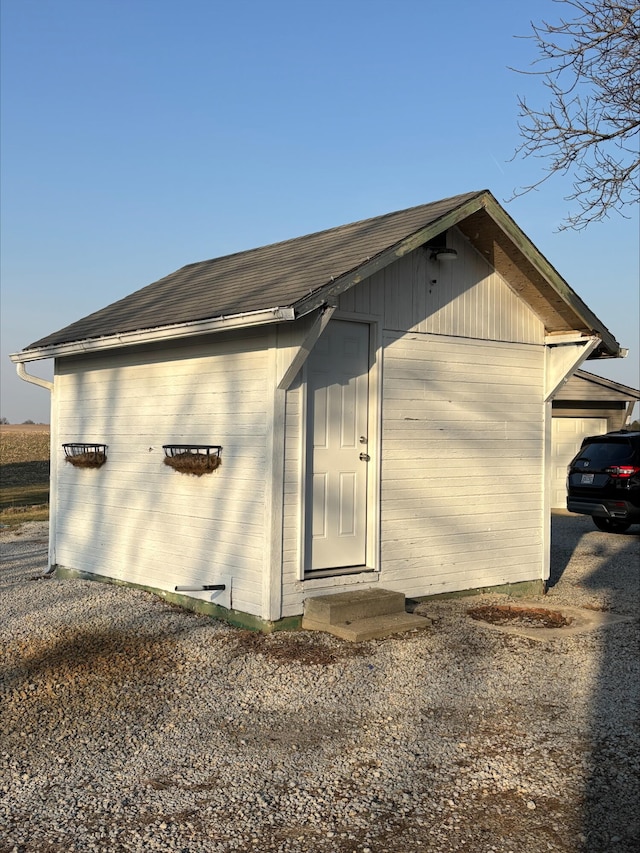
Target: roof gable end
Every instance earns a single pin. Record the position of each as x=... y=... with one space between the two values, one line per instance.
x=283 y=280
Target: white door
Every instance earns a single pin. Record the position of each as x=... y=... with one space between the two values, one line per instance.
x=337 y=448
x=567 y=435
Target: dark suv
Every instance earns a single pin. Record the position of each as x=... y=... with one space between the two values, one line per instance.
x=603 y=480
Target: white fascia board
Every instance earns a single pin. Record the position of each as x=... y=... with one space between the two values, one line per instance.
x=558 y=339
x=161 y=333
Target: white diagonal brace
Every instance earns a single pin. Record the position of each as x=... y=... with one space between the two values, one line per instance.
x=304 y=350
x=562 y=360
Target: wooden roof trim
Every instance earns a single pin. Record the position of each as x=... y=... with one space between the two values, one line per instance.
x=555 y=280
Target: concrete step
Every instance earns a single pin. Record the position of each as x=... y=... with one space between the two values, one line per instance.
x=361 y=615
x=371 y=628
x=358 y=604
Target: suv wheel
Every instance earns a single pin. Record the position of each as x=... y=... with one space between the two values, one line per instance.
x=611 y=525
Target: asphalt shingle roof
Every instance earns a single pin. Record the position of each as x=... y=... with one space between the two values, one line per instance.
x=278 y=275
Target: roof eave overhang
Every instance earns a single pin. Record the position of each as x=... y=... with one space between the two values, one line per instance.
x=158 y=334
x=586 y=322
x=609 y=347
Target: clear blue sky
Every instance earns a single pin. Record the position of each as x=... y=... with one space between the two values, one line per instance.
x=142 y=135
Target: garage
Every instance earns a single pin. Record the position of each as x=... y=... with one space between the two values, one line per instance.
x=586 y=405
x=567 y=435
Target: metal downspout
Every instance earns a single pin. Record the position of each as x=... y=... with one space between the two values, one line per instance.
x=47 y=385
x=35 y=380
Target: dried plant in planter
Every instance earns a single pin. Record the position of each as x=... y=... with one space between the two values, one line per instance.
x=86 y=455
x=193 y=459
x=88 y=460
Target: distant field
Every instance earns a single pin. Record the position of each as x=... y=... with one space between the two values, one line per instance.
x=24 y=473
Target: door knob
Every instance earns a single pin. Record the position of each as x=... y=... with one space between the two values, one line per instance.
x=365 y=457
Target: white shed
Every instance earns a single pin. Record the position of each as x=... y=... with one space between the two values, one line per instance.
x=381 y=392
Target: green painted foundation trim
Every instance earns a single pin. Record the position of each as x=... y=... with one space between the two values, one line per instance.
x=516 y=590
x=205 y=608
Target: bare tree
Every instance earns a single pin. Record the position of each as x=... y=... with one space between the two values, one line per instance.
x=590 y=65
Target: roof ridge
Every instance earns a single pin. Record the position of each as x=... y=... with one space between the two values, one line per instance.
x=381 y=217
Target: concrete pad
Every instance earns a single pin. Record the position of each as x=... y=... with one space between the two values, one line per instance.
x=354 y=605
x=582 y=619
x=370 y=628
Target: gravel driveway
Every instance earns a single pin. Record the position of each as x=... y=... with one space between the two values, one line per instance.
x=130 y=725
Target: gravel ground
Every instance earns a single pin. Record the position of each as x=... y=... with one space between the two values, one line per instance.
x=130 y=725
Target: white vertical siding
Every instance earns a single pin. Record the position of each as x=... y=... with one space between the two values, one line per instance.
x=292 y=512
x=136 y=519
x=466 y=298
x=462 y=464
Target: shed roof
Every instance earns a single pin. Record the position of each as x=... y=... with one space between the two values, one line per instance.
x=583 y=385
x=291 y=278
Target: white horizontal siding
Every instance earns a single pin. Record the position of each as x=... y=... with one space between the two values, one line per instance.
x=461 y=468
x=136 y=519
x=462 y=463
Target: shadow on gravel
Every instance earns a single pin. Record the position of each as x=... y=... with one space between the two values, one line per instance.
x=87 y=668
x=611 y=807
x=612 y=796
x=566 y=533
x=564 y=541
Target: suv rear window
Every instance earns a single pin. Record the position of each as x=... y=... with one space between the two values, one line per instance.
x=605 y=453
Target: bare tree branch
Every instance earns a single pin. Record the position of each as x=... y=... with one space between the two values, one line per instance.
x=590 y=129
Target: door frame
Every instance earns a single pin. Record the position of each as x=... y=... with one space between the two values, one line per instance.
x=372 y=561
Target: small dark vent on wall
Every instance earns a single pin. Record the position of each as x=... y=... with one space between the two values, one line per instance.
x=85 y=454
x=196 y=459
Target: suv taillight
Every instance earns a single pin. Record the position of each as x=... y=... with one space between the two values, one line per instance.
x=622 y=471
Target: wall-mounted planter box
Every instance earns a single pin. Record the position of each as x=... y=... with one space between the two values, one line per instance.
x=85 y=455
x=197 y=459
